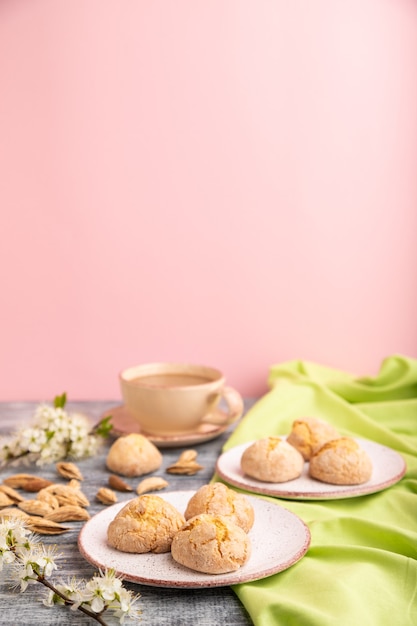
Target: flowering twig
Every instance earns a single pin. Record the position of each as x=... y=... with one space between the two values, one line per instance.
x=33 y=562
x=53 y=435
x=67 y=601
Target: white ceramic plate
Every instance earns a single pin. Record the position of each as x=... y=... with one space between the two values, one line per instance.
x=388 y=468
x=124 y=423
x=278 y=537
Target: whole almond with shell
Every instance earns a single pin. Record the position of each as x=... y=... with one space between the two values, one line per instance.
x=106 y=496
x=153 y=483
x=5 y=500
x=69 y=470
x=46 y=496
x=27 y=482
x=13 y=494
x=35 y=507
x=14 y=512
x=117 y=483
x=68 y=513
x=44 y=526
x=65 y=494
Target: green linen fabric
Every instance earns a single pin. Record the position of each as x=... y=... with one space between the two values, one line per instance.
x=361 y=567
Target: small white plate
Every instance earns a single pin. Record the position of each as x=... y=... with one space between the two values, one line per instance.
x=124 y=423
x=279 y=539
x=388 y=468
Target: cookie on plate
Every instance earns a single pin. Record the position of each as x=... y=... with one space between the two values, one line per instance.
x=272 y=460
x=211 y=544
x=308 y=434
x=145 y=524
x=218 y=499
x=341 y=462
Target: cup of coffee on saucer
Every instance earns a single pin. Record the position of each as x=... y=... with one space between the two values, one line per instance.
x=178 y=401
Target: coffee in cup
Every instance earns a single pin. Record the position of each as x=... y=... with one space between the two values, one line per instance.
x=177 y=398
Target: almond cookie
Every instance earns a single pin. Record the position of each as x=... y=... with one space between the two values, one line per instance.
x=145 y=524
x=272 y=460
x=133 y=455
x=308 y=434
x=218 y=499
x=341 y=462
x=211 y=544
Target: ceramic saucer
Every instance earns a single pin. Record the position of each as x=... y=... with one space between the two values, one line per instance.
x=124 y=423
x=388 y=468
x=279 y=539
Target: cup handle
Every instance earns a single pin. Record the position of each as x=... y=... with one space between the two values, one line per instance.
x=235 y=406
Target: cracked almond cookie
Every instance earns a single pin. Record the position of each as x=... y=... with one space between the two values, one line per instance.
x=308 y=434
x=218 y=499
x=272 y=460
x=145 y=524
x=211 y=544
x=341 y=462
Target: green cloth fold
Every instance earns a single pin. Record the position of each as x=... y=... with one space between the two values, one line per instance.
x=361 y=567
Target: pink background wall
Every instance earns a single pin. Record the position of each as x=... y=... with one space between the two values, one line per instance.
x=226 y=182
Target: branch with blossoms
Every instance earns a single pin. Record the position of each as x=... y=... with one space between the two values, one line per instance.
x=31 y=562
x=53 y=435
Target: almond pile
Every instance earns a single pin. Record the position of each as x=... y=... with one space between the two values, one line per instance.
x=53 y=503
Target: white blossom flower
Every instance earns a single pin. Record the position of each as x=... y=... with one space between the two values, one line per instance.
x=106 y=591
x=52 y=598
x=16 y=540
x=72 y=589
x=94 y=595
x=6 y=557
x=15 y=536
x=36 y=563
x=127 y=606
x=53 y=435
x=32 y=439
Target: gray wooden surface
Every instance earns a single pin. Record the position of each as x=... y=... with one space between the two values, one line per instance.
x=160 y=606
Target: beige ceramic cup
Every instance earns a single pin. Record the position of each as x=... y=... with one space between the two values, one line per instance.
x=176 y=398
